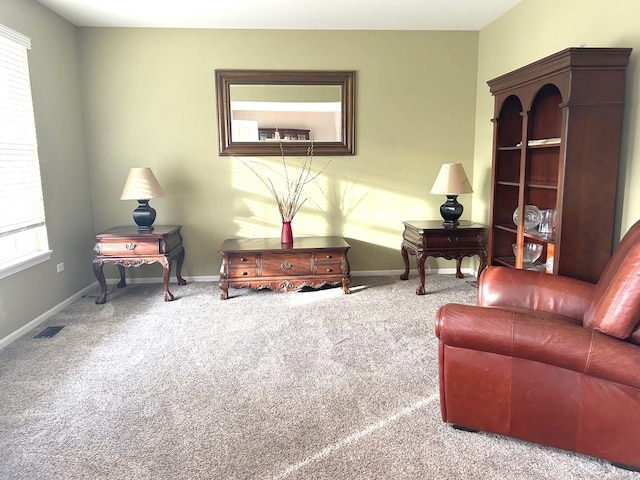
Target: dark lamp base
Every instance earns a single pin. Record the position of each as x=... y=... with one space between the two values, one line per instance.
x=144 y=216
x=451 y=211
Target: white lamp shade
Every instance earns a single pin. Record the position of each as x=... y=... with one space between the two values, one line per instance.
x=141 y=184
x=451 y=180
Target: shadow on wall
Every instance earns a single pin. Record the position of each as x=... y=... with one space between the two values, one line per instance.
x=367 y=212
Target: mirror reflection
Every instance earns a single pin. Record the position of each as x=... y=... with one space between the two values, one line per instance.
x=275 y=112
x=287 y=113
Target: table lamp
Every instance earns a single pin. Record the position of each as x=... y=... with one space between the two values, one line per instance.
x=451 y=181
x=142 y=185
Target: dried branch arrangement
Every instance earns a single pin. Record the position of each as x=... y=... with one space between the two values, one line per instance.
x=287 y=189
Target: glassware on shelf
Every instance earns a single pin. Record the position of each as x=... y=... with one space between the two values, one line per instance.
x=547 y=221
x=531 y=217
x=531 y=252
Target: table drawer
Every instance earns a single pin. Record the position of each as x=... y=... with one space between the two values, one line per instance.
x=330 y=263
x=239 y=261
x=249 y=272
x=329 y=268
x=242 y=265
x=455 y=240
x=330 y=256
x=128 y=247
x=276 y=265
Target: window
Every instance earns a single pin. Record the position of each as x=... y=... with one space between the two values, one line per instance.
x=23 y=235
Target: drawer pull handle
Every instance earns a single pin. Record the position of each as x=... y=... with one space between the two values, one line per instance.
x=329 y=256
x=286 y=266
x=244 y=274
x=242 y=259
x=329 y=270
x=129 y=246
x=453 y=238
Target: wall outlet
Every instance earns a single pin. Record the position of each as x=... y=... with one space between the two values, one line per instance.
x=60 y=267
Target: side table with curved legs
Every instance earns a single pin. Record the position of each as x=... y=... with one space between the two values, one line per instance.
x=127 y=247
x=430 y=238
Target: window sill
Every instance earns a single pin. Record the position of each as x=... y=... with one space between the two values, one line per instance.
x=22 y=263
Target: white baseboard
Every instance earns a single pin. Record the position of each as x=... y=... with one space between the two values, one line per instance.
x=49 y=313
x=439 y=271
x=206 y=278
x=358 y=273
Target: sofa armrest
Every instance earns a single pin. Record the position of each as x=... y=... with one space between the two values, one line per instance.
x=510 y=287
x=545 y=340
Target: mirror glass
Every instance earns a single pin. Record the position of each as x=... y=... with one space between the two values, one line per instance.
x=274 y=112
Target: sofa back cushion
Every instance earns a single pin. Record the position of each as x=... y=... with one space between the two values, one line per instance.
x=615 y=308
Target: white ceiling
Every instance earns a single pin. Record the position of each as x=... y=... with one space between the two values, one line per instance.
x=285 y=14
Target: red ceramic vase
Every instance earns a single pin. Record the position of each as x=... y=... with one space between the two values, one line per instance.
x=287 y=235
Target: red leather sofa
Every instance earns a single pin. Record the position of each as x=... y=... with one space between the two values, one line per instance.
x=549 y=359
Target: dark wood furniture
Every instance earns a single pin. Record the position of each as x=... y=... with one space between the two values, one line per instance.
x=549 y=359
x=266 y=263
x=424 y=238
x=284 y=134
x=126 y=247
x=557 y=130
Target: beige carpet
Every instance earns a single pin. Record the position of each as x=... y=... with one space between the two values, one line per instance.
x=307 y=385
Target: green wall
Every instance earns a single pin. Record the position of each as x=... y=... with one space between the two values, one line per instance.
x=149 y=99
x=57 y=104
x=537 y=28
x=109 y=99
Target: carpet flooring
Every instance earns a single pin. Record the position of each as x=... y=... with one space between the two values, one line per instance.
x=300 y=385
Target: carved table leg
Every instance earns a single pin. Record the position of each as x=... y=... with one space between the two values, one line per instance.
x=224 y=286
x=405 y=259
x=166 y=273
x=179 y=261
x=345 y=286
x=122 y=283
x=420 y=258
x=97 y=270
x=459 y=273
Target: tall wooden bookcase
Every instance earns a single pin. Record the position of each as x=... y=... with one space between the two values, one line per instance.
x=556 y=143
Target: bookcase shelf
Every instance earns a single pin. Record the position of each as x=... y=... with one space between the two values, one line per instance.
x=557 y=129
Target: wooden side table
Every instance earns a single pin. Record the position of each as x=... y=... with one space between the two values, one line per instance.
x=424 y=238
x=267 y=263
x=126 y=247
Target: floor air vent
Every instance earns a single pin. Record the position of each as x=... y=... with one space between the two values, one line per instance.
x=48 y=332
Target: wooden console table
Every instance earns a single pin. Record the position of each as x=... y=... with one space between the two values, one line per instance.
x=266 y=263
x=426 y=238
x=126 y=247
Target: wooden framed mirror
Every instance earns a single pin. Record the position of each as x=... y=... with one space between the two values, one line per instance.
x=271 y=112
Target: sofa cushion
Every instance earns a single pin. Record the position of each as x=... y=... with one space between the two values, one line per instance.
x=539 y=337
x=615 y=308
x=510 y=287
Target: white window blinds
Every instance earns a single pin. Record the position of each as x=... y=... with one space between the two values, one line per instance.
x=21 y=203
